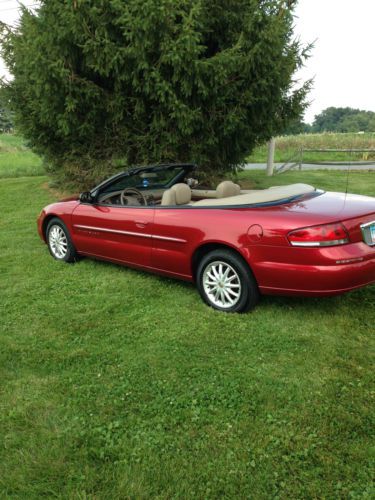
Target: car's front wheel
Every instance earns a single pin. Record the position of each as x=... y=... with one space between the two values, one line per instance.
x=59 y=242
x=226 y=283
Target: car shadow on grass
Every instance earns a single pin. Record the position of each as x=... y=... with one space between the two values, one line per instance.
x=355 y=299
x=325 y=305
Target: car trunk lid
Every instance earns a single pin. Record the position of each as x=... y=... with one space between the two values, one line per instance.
x=356 y=212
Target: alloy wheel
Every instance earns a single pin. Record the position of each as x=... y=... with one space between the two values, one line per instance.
x=58 y=241
x=222 y=284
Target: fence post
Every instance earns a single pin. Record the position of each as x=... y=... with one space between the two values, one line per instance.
x=271 y=156
x=300 y=158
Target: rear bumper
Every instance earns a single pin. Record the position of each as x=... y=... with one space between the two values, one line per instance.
x=333 y=271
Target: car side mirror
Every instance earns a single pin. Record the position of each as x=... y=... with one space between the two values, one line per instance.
x=86 y=197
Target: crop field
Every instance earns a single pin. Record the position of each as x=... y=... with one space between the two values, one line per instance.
x=121 y=384
x=335 y=180
x=287 y=148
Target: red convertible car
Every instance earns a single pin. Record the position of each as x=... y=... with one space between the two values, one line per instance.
x=234 y=244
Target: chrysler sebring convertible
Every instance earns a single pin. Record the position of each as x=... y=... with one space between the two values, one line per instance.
x=235 y=244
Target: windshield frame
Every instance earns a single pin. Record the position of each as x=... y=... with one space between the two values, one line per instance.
x=186 y=168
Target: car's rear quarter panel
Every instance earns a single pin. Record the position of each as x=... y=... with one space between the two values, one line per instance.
x=278 y=267
x=197 y=227
x=193 y=228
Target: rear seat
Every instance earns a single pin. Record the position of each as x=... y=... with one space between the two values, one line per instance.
x=226 y=189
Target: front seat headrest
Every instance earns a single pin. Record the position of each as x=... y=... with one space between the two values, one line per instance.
x=179 y=194
x=226 y=189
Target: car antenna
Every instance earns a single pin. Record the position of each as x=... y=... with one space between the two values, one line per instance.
x=347 y=180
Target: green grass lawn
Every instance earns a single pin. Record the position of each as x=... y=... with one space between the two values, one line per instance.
x=16 y=159
x=287 y=148
x=120 y=384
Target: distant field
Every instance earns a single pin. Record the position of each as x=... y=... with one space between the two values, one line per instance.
x=287 y=147
x=16 y=159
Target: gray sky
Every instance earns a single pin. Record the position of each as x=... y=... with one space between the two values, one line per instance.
x=342 y=61
x=343 y=58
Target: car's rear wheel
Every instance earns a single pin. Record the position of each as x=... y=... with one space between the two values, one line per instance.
x=59 y=242
x=226 y=283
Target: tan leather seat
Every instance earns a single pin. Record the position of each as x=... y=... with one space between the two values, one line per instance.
x=179 y=194
x=226 y=189
x=260 y=196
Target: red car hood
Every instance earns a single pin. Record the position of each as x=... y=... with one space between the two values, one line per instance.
x=74 y=197
x=62 y=207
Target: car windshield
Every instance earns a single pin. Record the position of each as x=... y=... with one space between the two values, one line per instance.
x=152 y=179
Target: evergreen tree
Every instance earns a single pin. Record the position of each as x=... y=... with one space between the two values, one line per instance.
x=149 y=81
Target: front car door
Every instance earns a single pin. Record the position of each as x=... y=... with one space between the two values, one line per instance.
x=121 y=234
x=112 y=230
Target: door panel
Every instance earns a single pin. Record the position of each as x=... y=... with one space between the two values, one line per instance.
x=120 y=233
x=176 y=232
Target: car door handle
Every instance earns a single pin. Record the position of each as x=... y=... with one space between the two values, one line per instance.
x=141 y=223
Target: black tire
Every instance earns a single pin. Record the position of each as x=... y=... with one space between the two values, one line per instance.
x=68 y=252
x=240 y=275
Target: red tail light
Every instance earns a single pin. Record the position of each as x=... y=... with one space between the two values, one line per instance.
x=319 y=236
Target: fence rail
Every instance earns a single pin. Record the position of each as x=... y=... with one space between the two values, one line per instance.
x=338 y=150
x=297 y=160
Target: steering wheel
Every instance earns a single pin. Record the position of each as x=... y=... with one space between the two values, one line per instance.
x=132 y=191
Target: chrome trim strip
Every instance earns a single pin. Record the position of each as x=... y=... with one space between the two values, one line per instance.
x=115 y=231
x=302 y=244
x=129 y=233
x=350 y=261
x=169 y=238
